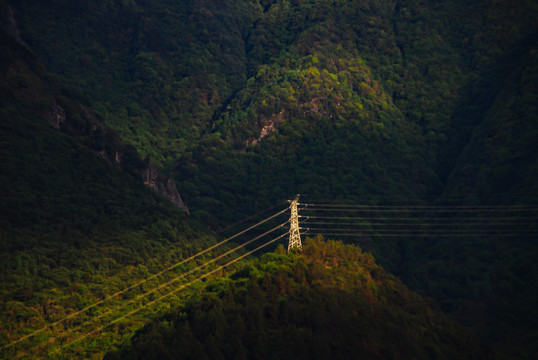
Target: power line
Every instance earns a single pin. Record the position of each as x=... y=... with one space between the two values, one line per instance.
x=433 y=224
x=361 y=234
x=432 y=198
x=175 y=279
x=408 y=210
x=421 y=228
x=348 y=206
x=430 y=231
x=386 y=229
x=418 y=218
x=175 y=290
x=189 y=272
x=76 y=313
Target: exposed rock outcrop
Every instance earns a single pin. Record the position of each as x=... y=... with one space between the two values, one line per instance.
x=56 y=117
x=268 y=127
x=23 y=78
x=104 y=141
x=163 y=185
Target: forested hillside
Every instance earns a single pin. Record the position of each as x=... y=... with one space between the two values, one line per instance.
x=75 y=226
x=332 y=301
x=361 y=99
x=247 y=103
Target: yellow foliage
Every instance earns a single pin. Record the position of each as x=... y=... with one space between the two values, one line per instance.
x=365 y=89
x=313 y=71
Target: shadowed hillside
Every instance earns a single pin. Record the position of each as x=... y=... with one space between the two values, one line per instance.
x=246 y=103
x=75 y=226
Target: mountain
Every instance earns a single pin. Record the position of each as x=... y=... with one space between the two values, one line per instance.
x=355 y=99
x=78 y=223
x=332 y=301
x=247 y=103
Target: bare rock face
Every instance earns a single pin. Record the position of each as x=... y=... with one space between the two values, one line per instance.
x=109 y=146
x=26 y=80
x=56 y=117
x=163 y=185
x=104 y=141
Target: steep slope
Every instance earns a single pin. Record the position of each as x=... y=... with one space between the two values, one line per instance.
x=179 y=88
x=75 y=226
x=25 y=82
x=304 y=129
x=317 y=115
x=392 y=90
x=500 y=157
x=155 y=71
x=499 y=166
x=332 y=301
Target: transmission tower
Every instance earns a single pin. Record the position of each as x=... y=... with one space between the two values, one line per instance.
x=295 y=236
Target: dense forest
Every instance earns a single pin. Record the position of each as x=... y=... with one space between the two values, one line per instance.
x=75 y=227
x=245 y=104
x=332 y=301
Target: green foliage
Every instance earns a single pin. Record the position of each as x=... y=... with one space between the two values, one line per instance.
x=333 y=301
x=248 y=103
x=323 y=119
x=74 y=228
x=155 y=71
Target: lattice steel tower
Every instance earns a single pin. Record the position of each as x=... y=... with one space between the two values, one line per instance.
x=295 y=236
